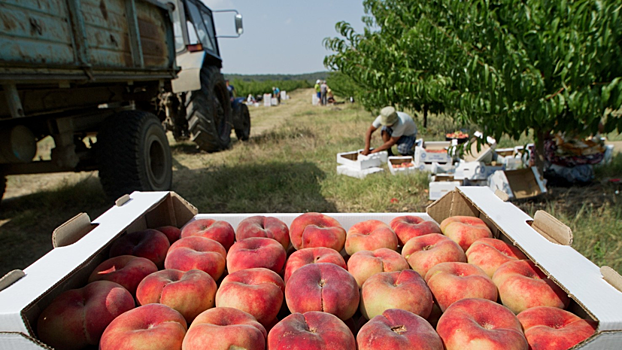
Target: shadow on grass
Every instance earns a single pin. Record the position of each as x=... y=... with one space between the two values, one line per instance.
x=274 y=187
x=27 y=222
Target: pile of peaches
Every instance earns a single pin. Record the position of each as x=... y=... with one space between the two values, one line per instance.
x=403 y=165
x=411 y=284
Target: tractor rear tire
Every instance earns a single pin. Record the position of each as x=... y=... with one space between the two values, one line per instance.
x=242 y=122
x=133 y=154
x=208 y=111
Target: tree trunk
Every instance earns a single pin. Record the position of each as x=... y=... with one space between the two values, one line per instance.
x=539 y=152
x=425 y=116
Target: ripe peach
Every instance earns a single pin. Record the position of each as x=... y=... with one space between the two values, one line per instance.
x=151 y=326
x=490 y=253
x=322 y=287
x=522 y=286
x=311 y=230
x=263 y=226
x=551 y=328
x=220 y=231
x=313 y=330
x=409 y=226
x=453 y=281
x=398 y=329
x=256 y=252
x=189 y=292
x=225 y=328
x=172 y=233
x=305 y=256
x=465 y=230
x=404 y=290
x=150 y=244
x=77 y=317
x=199 y=253
x=370 y=235
x=480 y=324
x=423 y=252
x=126 y=270
x=363 y=264
x=258 y=291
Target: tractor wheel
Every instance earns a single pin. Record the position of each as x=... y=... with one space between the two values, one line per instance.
x=208 y=111
x=242 y=122
x=133 y=154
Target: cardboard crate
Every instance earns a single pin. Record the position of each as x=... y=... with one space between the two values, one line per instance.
x=438 y=189
x=518 y=184
x=355 y=160
x=475 y=170
x=433 y=151
x=397 y=160
x=81 y=244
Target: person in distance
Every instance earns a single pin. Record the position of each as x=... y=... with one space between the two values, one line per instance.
x=398 y=128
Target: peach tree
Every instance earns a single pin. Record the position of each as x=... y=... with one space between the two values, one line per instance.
x=510 y=67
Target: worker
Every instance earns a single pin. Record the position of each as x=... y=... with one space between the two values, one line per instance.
x=398 y=128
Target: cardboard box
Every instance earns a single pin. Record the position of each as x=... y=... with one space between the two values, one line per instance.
x=437 y=168
x=433 y=152
x=475 y=170
x=518 y=184
x=81 y=244
x=440 y=188
x=355 y=160
x=357 y=173
x=398 y=160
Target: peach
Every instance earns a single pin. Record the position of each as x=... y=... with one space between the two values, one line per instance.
x=363 y=264
x=151 y=326
x=322 y=287
x=311 y=230
x=551 y=328
x=220 y=231
x=453 y=281
x=225 y=328
x=256 y=252
x=313 y=330
x=199 y=253
x=480 y=324
x=257 y=291
x=150 y=244
x=409 y=226
x=465 y=230
x=305 y=256
x=423 y=252
x=126 y=270
x=404 y=290
x=370 y=235
x=171 y=232
x=263 y=226
x=522 y=286
x=490 y=253
x=189 y=292
x=77 y=317
x=398 y=329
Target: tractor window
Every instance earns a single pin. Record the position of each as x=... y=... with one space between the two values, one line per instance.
x=202 y=31
x=179 y=39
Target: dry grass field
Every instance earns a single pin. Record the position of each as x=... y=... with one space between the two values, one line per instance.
x=289 y=165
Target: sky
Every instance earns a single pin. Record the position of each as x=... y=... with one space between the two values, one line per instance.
x=281 y=36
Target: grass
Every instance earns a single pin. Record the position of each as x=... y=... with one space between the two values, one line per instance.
x=289 y=165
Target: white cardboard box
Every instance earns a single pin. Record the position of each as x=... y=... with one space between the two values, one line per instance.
x=475 y=170
x=433 y=152
x=81 y=245
x=356 y=160
x=357 y=173
x=519 y=184
x=441 y=188
x=395 y=160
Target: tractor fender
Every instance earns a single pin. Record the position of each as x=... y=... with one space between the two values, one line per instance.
x=189 y=78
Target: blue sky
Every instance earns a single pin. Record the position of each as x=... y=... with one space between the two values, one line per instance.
x=281 y=36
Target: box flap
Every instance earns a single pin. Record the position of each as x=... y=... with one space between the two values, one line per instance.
x=551 y=228
x=10 y=278
x=484 y=154
x=612 y=277
x=524 y=183
x=72 y=230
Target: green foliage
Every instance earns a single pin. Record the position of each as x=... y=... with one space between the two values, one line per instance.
x=508 y=66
